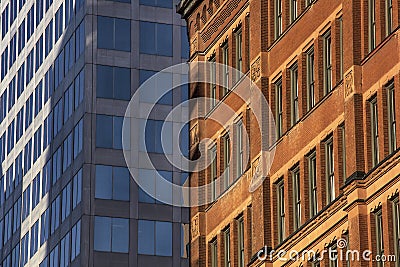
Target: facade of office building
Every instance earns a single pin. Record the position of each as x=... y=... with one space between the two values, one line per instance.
x=68 y=71
x=330 y=73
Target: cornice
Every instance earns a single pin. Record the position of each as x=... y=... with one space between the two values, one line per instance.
x=185 y=7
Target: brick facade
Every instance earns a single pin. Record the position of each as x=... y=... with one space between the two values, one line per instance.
x=341 y=116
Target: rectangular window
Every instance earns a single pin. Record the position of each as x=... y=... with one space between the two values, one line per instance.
x=30 y=23
x=327 y=52
x=240 y=224
x=21 y=80
x=293 y=10
x=47 y=131
x=65 y=250
x=213 y=83
x=371 y=25
x=35 y=191
x=296 y=198
x=28 y=157
x=239 y=53
x=21 y=36
x=115 y=33
x=48 y=38
x=330 y=170
x=342 y=132
x=7 y=226
x=388 y=16
x=78 y=138
x=80 y=40
x=227 y=157
x=113 y=82
x=151 y=142
x=67 y=152
x=227 y=247
x=310 y=79
x=75 y=240
x=213 y=171
x=239 y=148
x=373 y=105
x=154 y=238
x=156 y=188
x=44 y=226
x=312 y=177
x=55 y=214
x=25 y=249
x=391 y=106
x=15 y=255
x=214 y=253
x=29 y=111
x=334 y=260
x=225 y=62
x=4 y=63
x=57 y=165
x=380 y=250
x=54 y=260
x=79 y=84
x=112 y=183
x=279 y=108
x=281 y=210
x=69 y=11
x=112 y=234
x=68 y=102
x=17 y=215
x=59 y=22
x=278 y=18
x=59 y=69
x=77 y=189
x=26 y=201
x=109 y=131
x=396 y=228
x=11 y=93
x=341 y=48
x=58 y=117
x=46 y=176
x=66 y=202
x=34 y=238
x=4 y=22
x=13 y=11
x=38 y=98
x=294 y=86
x=48 y=84
x=39 y=11
x=69 y=54
x=13 y=49
x=156 y=39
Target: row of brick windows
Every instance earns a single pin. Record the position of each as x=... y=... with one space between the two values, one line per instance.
x=309 y=79
x=231 y=245
x=328 y=160
x=312 y=183
x=287 y=11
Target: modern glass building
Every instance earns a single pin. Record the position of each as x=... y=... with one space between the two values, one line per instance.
x=68 y=71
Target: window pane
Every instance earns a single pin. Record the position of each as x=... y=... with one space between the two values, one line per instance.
x=146 y=237
x=120 y=235
x=164 y=39
x=104 y=131
x=102 y=233
x=123 y=34
x=104 y=81
x=105 y=36
x=103 y=182
x=147 y=38
x=122 y=86
x=117 y=133
x=121 y=184
x=163 y=238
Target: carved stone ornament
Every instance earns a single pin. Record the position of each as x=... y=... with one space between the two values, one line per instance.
x=349 y=84
x=195 y=228
x=256 y=69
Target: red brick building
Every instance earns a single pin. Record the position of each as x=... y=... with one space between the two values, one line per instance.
x=331 y=74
